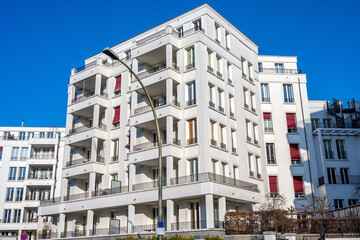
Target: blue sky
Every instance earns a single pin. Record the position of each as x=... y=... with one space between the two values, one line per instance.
x=42 y=40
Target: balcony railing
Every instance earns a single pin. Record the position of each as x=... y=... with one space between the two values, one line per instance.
x=210 y=69
x=187 y=32
x=190 y=66
x=280 y=71
x=295 y=161
x=191 y=102
x=152 y=36
x=77 y=162
x=176 y=103
x=147 y=185
x=42 y=156
x=188 y=225
x=288 y=100
x=299 y=195
x=176 y=141
x=174 y=66
x=332 y=125
x=150 y=71
x=213 y=142
x=147 y=145
x=148 y=107
x=219 y=74
x=222 y=145
x=70 y=234
x=265 y=99
x=85 y=128
x=191 y=141
x=76 y=196
x=108 y=231
x=82 y=97
x=212 y=177
x=144 y=228
x=50 y=201
x=110 y=191
x=221 y=109
x=211 y=104
x=87 y=66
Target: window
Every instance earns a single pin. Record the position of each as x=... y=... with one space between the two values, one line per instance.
x=315 y=122
x=294 y=153
x=223 y=169
x=9 y=194
x=233 y=140
x=327 y=122
x=24 y=153
x=231 y=105
x=214 y=163
x=329 y=154
x=265 y=95
x=291 y=122
x=260 y=67
x=211 y=96
x=250 y=71
x=338 y=203
x=229 y=73
x=42 y=135
x=251 y=165
x=246 y=98
x=127 y=55
x=116 y=120
x=181 y=32
x=19 y=194
x=248 y=130
x=219 y=66
x=191 y=94
x=243 y=67
x=279 y=68
x=288 y=93
x=258 y=166
x=117 y=89
x=50 y=135
x=270 y=153
x=213 y=137
x=217 y=33
x=210 y=60
x=273 y=186
x=221 y=100
x=267 y=122
x=30 y=135
x=21 y=173
x=298 y=186
x=222 y=137
x=193 y=164
x=252 y=102
x=331 y=172
x=12 y=173
x=340 y=147
x=22 y=136
x=17 y=214
x=227 y=40
x=15 y=153
x=344 y=174
x=190 y=59
x=352 y=202
x=255 y=132
x=1 y=152
x=7 y=215
x=192 y=135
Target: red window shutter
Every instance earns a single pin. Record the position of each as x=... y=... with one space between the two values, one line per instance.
x=118 y=84
x=267 y=116
x=298 y=184
x=290 y=118
x=128 y=140
x=294 y=151
x=1 y=149
x=117 y=115
x=273 y=184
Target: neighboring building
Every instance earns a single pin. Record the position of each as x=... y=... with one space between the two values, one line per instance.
x=29 y=157
x=290 y=157
x=336 y=134
x=201 y=73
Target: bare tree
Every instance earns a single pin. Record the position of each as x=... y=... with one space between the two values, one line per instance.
x=273 y=202
x=317 y=205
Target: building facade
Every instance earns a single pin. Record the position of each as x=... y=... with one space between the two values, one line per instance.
x=196 y=68
x=29 y=158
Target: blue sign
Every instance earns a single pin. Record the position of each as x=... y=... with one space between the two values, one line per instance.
x=24 y=236
x=160 y=224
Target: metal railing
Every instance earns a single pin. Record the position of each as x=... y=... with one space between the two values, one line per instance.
x=191 y=141
x=77 y=162
x=82 y=97
x=143 y=228
x=191 y=102
x=42 y=156
x=174 y=66
x=151 y=71
x=87 y=66
x=142 y=146
x=190 y=66
x=147 y=185
x=280 y=71
x=47 y=235
x=212 y=177
x=188 y=225
x=70 y=234
x=213 y=142
x=176 y=141
x=148 y=108
x=80 y=129
x=187 y=32
x=175 y=103
x=50 y=201
x=150 y=37
x=108 y=231
x=77 y=196
x=332 y=125
x=110 y=191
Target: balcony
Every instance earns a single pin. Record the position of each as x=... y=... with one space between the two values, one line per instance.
x=108 y=231
x=280 y=71
x=151 y=71
x=292 y=130
x=148 y=108
x=188 y=32
x=86 y=96
x=110 y=191
x=148 y=185
x=212 y=177
x=42 y=156
x=268 y=129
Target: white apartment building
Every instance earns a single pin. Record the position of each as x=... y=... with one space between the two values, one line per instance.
x=290 y=157
x=29 y=157
x=201 y=73
x=337 y=146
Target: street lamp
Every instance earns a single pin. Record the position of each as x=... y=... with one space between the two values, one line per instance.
x=114 y=56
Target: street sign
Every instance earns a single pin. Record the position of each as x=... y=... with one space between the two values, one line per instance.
x=160 y=230
x=24 y=236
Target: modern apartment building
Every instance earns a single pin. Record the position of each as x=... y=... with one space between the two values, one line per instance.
x=336 y=131
x=290 y=157
x=29 y=157
x=201 y=73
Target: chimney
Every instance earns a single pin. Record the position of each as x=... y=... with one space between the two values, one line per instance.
x=22 y=123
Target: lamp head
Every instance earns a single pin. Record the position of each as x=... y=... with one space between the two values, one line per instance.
x=111 y=53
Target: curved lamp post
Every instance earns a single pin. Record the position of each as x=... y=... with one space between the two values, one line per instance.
x=114 y=56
